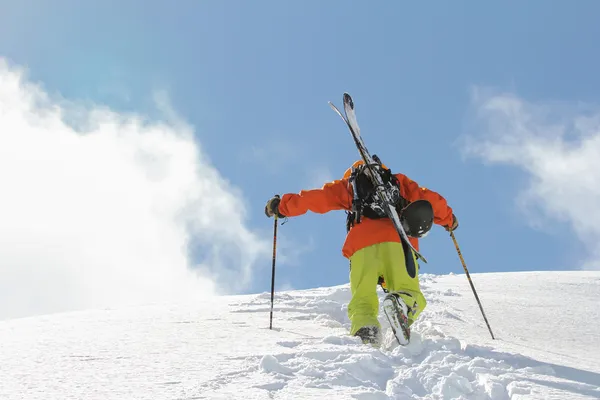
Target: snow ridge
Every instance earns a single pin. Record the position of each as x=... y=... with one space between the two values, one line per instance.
x=434 y=365
x=223 y=349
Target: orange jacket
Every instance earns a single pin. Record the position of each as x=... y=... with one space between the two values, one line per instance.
x=337 y=195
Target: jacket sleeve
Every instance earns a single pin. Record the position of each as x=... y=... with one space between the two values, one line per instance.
x=336 y=195
x=442 y=213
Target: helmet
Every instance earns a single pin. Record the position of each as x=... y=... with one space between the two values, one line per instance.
x=417 y=218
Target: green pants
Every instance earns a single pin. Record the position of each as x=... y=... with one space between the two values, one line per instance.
x=366 y=266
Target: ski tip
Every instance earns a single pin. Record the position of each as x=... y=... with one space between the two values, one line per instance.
x=348 y=100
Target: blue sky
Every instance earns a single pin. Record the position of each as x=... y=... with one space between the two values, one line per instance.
x=253 y=80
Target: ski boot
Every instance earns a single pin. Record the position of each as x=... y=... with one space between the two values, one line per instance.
x=369 y=335
x=396 y=311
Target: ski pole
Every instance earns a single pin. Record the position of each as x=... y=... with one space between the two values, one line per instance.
x=470 y=281
x=273 y=271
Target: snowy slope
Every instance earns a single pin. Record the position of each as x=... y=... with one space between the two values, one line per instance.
x=546 y=324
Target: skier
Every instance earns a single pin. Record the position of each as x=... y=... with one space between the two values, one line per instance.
x=373 y=246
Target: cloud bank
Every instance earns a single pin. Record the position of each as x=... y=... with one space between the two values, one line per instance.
x=558 y=146
x=99 y=208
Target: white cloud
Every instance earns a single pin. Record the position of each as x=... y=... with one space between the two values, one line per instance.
x=101 y=209
x=558 y=146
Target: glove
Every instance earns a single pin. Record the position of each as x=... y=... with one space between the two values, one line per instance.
x=454 y=225
x=272 y=207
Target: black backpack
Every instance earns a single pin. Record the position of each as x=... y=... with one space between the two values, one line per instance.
x=365 y=202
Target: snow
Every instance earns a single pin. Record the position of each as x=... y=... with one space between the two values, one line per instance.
x=546 y=324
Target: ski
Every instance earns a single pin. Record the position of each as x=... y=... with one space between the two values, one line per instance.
x=350 y=120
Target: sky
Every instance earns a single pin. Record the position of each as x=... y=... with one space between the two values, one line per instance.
x=140 y=141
